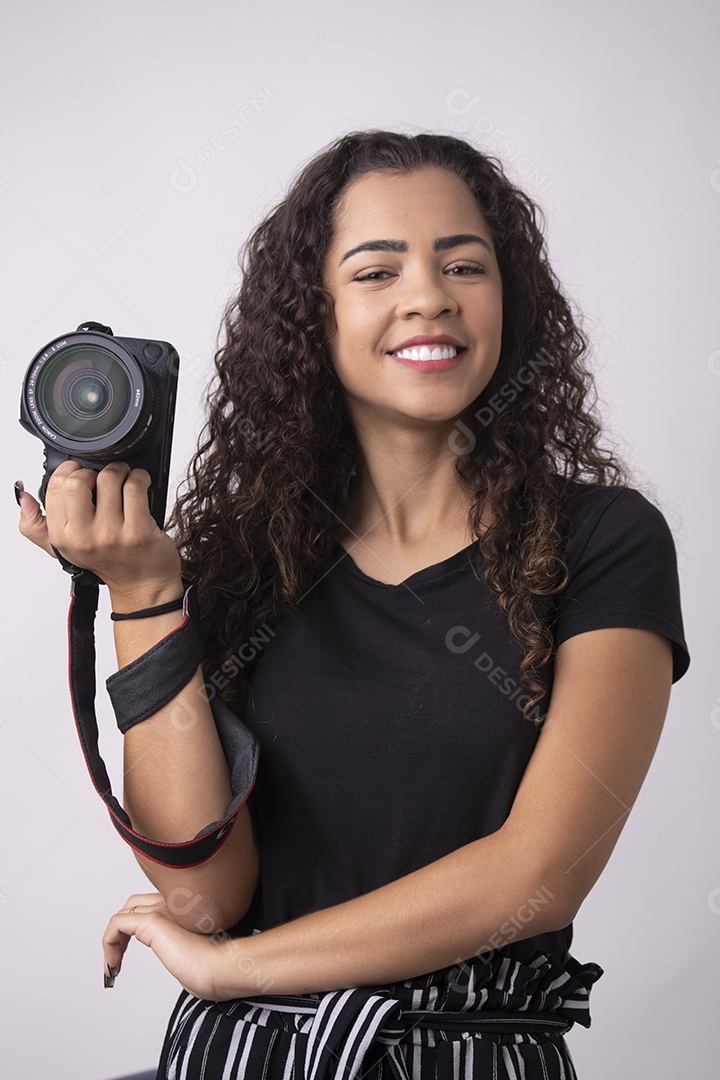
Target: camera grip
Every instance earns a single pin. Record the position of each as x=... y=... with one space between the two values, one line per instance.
x=78 y=573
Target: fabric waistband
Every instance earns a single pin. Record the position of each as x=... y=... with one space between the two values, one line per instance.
x=345 y=1024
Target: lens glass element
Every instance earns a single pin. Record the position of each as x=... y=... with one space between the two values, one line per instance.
x=83 y=392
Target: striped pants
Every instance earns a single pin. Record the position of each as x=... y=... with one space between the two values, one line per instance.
x=497 y=1019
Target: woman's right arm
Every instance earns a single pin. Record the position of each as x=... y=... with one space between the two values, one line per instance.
x=176 y=777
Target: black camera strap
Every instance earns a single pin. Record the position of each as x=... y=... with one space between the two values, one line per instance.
x=136 y=692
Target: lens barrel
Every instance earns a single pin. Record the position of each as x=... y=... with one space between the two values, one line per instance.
x=87 y=395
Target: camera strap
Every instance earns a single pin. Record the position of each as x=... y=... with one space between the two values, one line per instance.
x=148 y=683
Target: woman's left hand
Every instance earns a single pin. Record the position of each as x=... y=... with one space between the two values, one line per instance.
x=202 y=964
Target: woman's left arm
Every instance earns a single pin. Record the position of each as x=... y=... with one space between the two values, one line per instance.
x=610 y=695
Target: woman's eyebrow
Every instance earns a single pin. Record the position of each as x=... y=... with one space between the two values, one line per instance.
x=442 y=243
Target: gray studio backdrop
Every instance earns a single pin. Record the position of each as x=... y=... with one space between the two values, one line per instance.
x=140 y=144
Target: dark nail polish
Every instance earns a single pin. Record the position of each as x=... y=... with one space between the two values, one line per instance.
x=109 y=976
x=17 y=488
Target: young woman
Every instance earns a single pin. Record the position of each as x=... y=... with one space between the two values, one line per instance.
x=434 y=603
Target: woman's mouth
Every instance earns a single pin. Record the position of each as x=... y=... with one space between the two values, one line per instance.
x=427 y=352
x=430 y=358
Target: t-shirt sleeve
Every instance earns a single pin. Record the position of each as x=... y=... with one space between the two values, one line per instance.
x=623 y=570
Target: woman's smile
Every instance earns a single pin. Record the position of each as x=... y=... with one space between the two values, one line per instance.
x=438 y=358
x=426 y=349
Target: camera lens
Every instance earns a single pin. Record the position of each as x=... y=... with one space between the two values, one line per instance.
x=89 y=396
x=84 y=392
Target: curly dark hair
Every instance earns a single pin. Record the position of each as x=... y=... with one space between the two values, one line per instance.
x=275 y=462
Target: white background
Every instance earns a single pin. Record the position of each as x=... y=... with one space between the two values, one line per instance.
x=122 y=201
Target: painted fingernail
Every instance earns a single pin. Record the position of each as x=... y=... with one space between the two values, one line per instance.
x=109 y=979
x=17 y=488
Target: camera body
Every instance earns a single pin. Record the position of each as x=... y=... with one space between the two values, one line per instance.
x=96 y=398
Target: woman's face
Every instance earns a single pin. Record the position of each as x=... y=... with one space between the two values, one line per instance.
x=412 y=257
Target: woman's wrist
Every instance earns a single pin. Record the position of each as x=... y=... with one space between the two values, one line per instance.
x=133 y=637
x=143 y=595
x=237 y=972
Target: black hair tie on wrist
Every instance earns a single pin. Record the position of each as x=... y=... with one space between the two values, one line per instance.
x=145 y=613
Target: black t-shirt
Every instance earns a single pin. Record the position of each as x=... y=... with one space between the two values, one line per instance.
x=390 y=718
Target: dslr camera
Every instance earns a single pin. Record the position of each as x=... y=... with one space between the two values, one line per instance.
x=95 y=398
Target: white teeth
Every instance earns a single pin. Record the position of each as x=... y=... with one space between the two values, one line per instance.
x=441 y=352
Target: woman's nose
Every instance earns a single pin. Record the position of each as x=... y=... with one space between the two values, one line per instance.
x=425 y=291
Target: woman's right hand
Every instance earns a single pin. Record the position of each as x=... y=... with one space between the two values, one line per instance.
x=176 y=776
x=114 y=536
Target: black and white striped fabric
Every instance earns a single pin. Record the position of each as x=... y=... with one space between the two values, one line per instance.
x=495 y=1018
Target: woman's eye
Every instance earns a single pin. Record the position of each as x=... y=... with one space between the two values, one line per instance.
x=469 y=268
x=372 y=275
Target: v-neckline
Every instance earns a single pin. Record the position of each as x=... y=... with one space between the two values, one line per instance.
x=426 y=573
